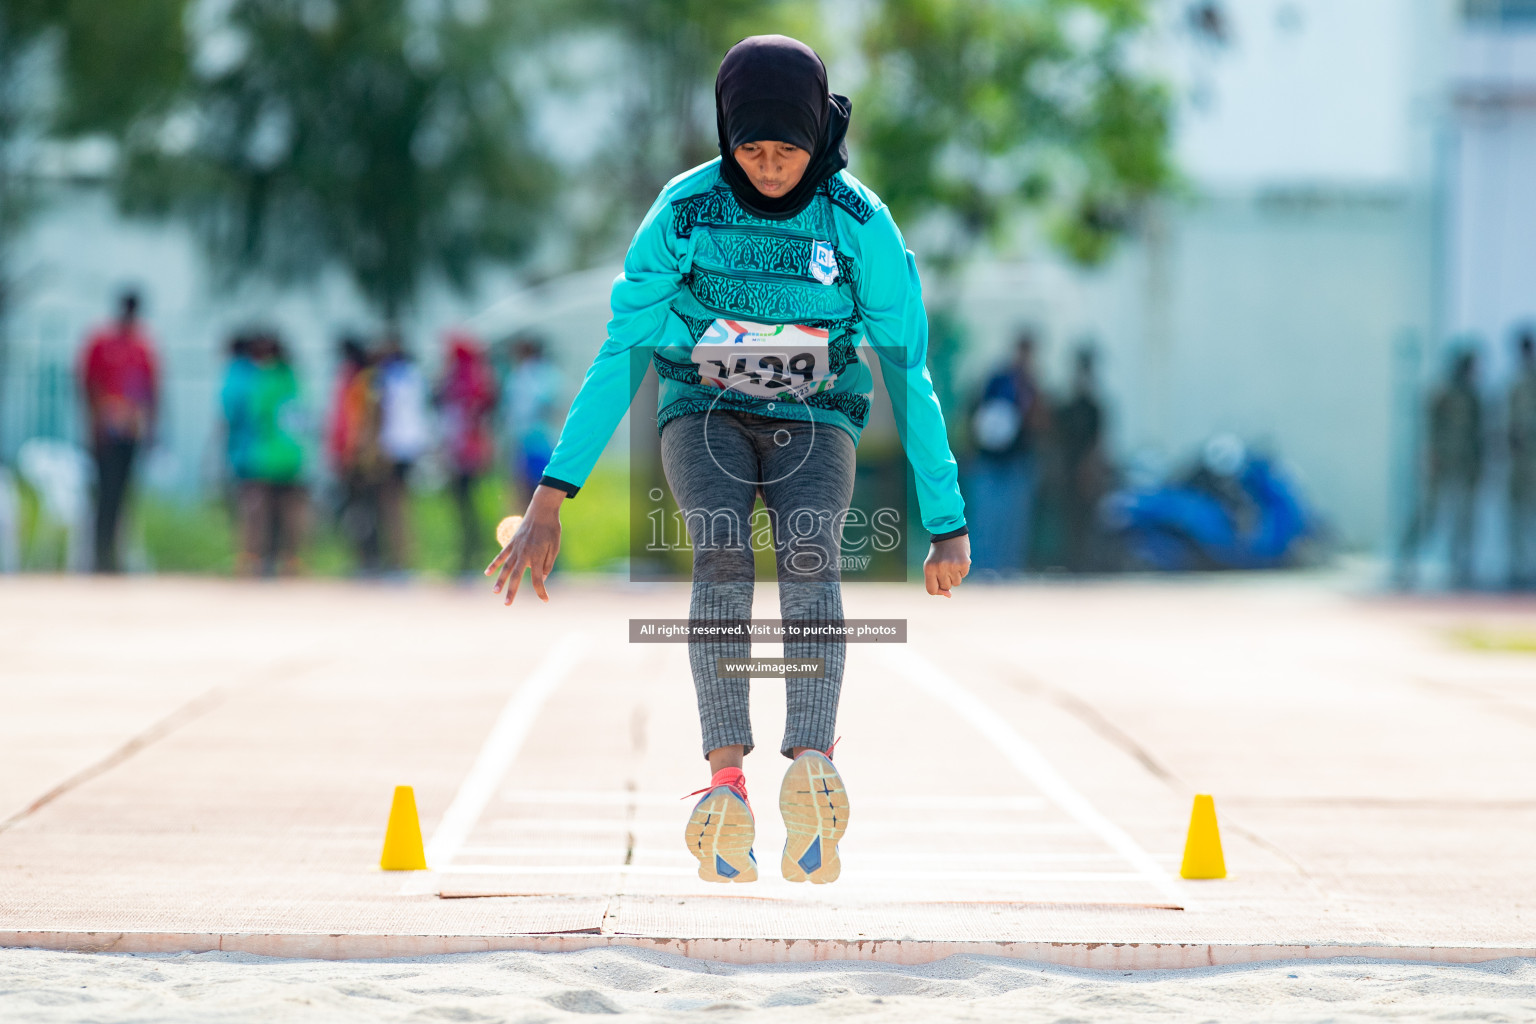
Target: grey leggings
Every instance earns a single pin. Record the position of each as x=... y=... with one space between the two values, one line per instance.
x=717 y=463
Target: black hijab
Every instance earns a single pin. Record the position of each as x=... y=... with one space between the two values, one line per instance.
x=775 y=87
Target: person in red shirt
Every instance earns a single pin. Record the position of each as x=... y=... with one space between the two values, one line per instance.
x=352 y=441
x=465 y=398
x=120 y=379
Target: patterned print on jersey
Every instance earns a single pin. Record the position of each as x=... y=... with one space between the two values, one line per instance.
x=843 y=195
x=671 y=369
x=765 y=301
x=760 y=253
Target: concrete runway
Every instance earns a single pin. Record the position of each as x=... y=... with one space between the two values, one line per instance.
x=208 y=765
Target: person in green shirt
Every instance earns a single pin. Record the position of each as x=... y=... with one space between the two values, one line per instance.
x=271 y=461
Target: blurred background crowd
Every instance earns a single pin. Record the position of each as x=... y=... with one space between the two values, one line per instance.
x=362 y=436
x=1213 y=284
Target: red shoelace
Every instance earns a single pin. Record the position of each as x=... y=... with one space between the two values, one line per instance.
x=733 y=778
x=736 y=780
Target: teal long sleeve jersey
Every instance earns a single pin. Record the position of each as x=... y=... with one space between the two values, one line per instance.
x=766 y=316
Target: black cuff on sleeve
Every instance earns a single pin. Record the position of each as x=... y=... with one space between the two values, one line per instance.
x=951 y=535
x=560 y=485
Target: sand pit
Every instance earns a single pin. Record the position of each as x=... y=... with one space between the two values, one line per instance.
x=53 y=988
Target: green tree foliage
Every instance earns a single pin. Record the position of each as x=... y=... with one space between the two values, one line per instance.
x=669 y=53
x=384 y=136
x=976 y=111
x=117 y=61
x=73 y=66
x=387 y=137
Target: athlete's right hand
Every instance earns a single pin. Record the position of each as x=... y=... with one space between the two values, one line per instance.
x=533 y=547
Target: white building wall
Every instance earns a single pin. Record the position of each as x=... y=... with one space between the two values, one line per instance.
x=1491 y=161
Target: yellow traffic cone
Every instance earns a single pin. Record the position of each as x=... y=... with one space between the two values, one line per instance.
x=1202 y=849
x=402 y=838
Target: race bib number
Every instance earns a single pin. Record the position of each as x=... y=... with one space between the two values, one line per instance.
x=769 y=361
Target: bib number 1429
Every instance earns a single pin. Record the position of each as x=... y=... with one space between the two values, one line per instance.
x=783 y=361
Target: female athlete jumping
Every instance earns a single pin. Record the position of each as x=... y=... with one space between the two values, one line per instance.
x=753 y=279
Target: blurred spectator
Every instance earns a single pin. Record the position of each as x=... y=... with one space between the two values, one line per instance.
x=1522 y=464
x=1079 y=424
x=10 y=523
x=352 y=441
x=465 y=398
x=532 y=410
x=1208 y=20
x=235 y=402
x=404 y=437
x=1453 y=466
x=1006 y=423
x=119 y=376
x=272 y=495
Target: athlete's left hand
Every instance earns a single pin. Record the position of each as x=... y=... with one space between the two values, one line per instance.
x=947 y=563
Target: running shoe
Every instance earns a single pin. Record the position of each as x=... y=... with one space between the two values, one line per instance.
x=721 y=829
x=815 y=808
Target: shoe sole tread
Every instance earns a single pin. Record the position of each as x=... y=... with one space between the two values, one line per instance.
x=814 y=803
x=721 y=826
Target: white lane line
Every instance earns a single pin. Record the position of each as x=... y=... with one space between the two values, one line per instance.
x=624 y=797
x=539 y=851
x=896 y=875
x=864 y=874
x=567 y=869
x=1029 y=762
x=589 y=797
x=525 y=823
x=926 y=826
x=958 y=802
x=994 y=860
x=997 y=860
x=498 y=752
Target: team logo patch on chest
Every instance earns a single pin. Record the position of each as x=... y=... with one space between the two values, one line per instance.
x=823 y=262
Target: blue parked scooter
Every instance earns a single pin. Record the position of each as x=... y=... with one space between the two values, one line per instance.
x=1235 y=510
